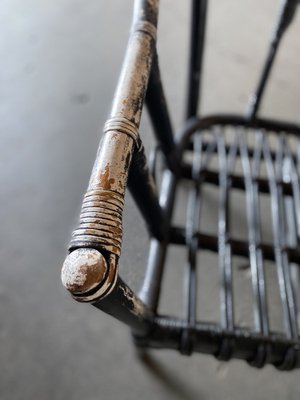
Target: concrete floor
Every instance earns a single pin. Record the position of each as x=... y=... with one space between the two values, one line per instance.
x=60 y=62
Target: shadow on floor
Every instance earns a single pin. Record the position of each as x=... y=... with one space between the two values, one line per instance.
x=171 y=381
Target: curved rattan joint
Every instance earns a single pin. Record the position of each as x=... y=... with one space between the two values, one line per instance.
x=289 y=360
x=225 y=350
x=261 y=356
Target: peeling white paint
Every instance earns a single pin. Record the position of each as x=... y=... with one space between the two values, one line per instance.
x=78 y=267
x=138 y=306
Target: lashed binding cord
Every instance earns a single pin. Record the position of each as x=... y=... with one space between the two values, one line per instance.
x=122 y=125
x=100 y=222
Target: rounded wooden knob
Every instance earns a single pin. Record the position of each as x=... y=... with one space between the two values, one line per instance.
x=83 y=270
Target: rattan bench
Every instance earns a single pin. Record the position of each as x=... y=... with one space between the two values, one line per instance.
x=257 y=156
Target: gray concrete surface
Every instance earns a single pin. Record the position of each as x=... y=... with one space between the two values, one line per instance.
x=59 y=65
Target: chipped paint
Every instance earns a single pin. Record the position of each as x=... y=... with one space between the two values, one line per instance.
x=105 y=179
x=83 y=269
x=106 y=287
x=138 y=307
